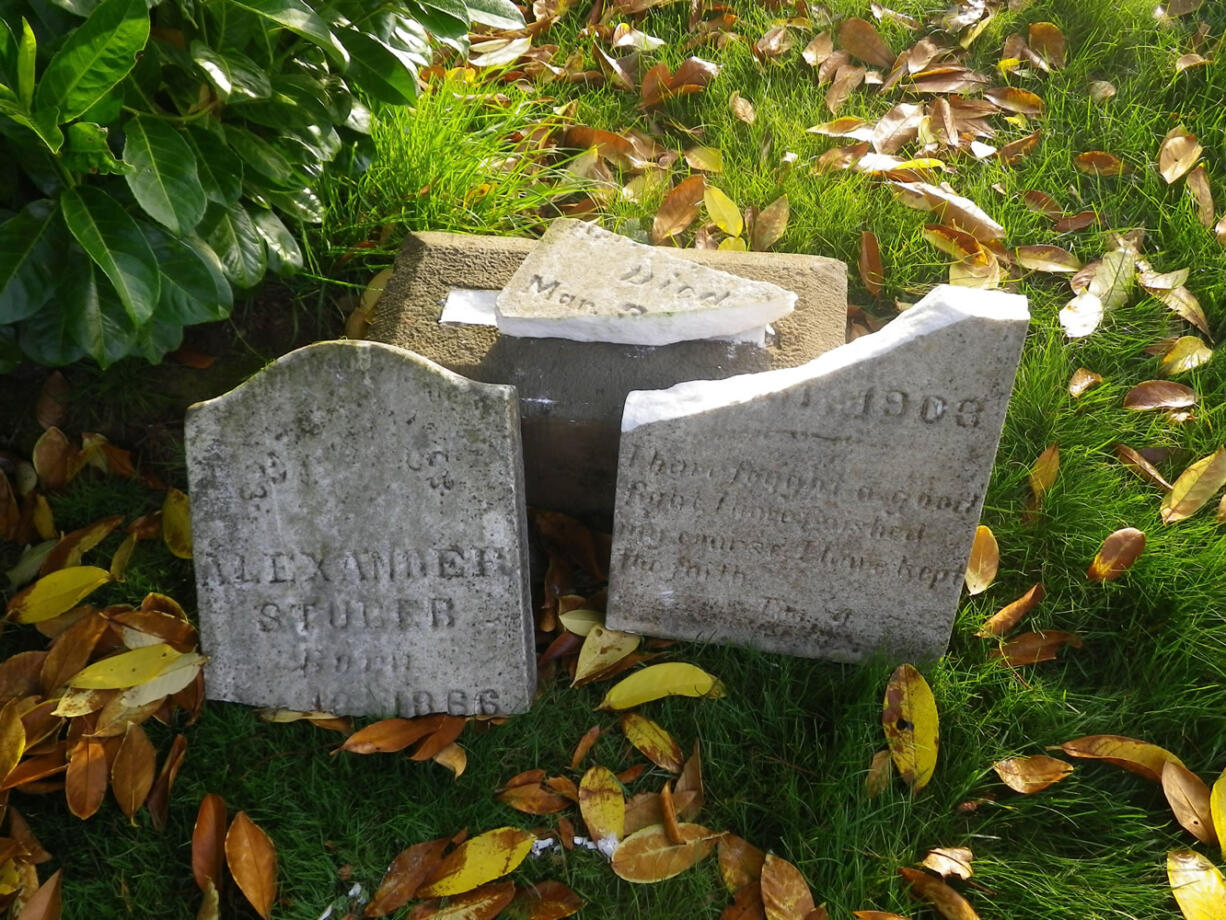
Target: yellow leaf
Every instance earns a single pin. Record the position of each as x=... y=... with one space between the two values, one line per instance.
x=602 y=649
x=1199 y=887
x=177 y=523
x=733 y=244
x=127 y=669
x=723 y=211
x=1031 y=774
x=985 y=560
x=479 y=860
x=653 y=742
x=176 y=675
x=52 y=594
x=581 y=621
x=603 y=808
x=1138 y=757
x=1217 y=808
x=454 y=758
x=1194 y=487
x=1187 y=353
x=12 y=738
x=707 y=159
x=912 y=727
x=648 y=856
x=950 y=904
x=661 y=680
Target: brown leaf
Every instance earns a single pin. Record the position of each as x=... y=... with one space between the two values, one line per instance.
x=956 y=210
x=133 y=770
x=846 y=79
x=1138 y=757
x=880 y=771
x=984 y=561
x=1031 y=774
x=818 y=49
x=690 y=783
x=72 y=546
x=584 y=745
x=947 y=861
x=678 y=210
x=86 y=780
x=1195 y=486
x=1083 y=380
x=770 y=225
x=252 y=859
x=1119 y=551
x=53 y=398
x=1042 y=203
x=1078 y=221
x=1101 y=91
x=877 y=915
x=1189 y=800
x=1142 y=467
x=449 y=729
x=483 y=903
x=862 y=41
x=951 y=240
x=208 y=838
x=71 y=651
x=1198 y=187
x=1178 y=153
x=742 y=108
x=548 y=901
x=956 y=79
x=44 y=904
x=53 y=458
x=1049 y=42
x=1100 y=163
x=785 y=893
x=405 y=875
x=388 y=736
x=871 y=271
x=1013 y=99
x=647 y=856
x=23 y=837
x=528 y=793
x=158 y=802
x=1012 y=613
x=653 y=741
x=740 y=862
x=947 y=901
x=897 y=127
x=1031 y=648
x=1159 y=394
x=746 y=904
x=774 y=43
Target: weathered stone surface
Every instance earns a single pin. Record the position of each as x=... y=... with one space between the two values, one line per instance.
x=586 y=284
x=826 y=510
x=360 y=537
x=572 y=393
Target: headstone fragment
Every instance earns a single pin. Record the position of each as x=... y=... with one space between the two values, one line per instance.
x=360 y=537
x=826 y=510
x=589 y=285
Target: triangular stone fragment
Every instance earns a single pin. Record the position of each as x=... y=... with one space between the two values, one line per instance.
x=360 y=537
x=825 y=510
x=590 y=285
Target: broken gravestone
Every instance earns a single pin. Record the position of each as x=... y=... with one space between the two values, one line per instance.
x=572 y=393
x=826 y=510
x=360 y=537
x=589 y=285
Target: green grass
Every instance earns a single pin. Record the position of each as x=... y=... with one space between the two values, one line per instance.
x=786 y=752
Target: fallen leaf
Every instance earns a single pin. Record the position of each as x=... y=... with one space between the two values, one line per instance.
x=746 y=904
x=880 y=771
x=723 y=211
x=1198 y=187
x=678 y=210
x=984 y=561
x=453 y=757
x=584 y=745
x=482 y=859
x=1034 y=647
x=1078 y=221
x=742 y=108
x=947 y=861
x=133 y=770
x=653 y=742
x=774 y=43
x=660 y=680
x=1117 y=554
x=897 y=127
x=55 y=593
x=580 y=620
x=1183 y=302
x=877 y=915
x=1200 y=890
x=1083 y=380
x=1014 y=150
x=771 y=224
x=603 y=808
x=1100 y=163
x=846 y=126
x=1217 y=807
x=909 y=717
x=1195 y=486
x=1042 y=203
x=947 y=901
x=740 y=862
x=707 y=159
x=845 y=81
x=1101 y=91
x=1142 y=467
x=951 y=209
x=1046 y=258
x=871 y=271
x=1111 y=279
x=1012 y=613
x=387 y=736
x=177 y=675
x=177 y=523
x=72 y=546
x=1178 y=154
x=1138 y=757
x=1013 y=99
x=53 y=457
x=127 y=669
x=1159 y=394
x=1183 y=7
x=1042 y=475
x=208 y=836
x=45 y=903
x=484 y=903
x=85 y=782
x=861 y=40
x=1031 y=774
x=529 y=794
x=647 y=856
x=785 y=893
x=405 y=875
x=1049 y=43
x=818 y=49
x=158 y=801
x=690 y=783
x=1188 y=797
x=548 y=901
x=252 y=860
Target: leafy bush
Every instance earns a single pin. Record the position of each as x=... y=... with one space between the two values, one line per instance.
x=149 y=152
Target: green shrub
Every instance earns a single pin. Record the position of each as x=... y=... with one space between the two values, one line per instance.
x=150 y=154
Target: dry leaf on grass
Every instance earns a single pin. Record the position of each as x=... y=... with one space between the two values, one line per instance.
x=862 y=41
x=653 y=742
x=1012 y=613
x=912 y=728
x=984 y=561
x=950 y=861
x=252 y=859
x=1117 y=554
x=1034 y=647
x=648 y=856
x=1031 y=774
x=1159 y=394
x=1136 y=756
x=1142 y=467
x=477 y=861
x=1187 y=353
x=1189 y=800
x=1178 y=154
x=1100 y=163
x=1083 y=380
x=1198 y=886
x=740 y=862
x=785 y=893
x=1195 y=486
x=951 y=904
x=871 y=271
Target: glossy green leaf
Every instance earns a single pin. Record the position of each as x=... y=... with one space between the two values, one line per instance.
x=284 y=256
x=163 y=175
x=25 y=64
x=44 y=123
x=114 y=241
x=8 y=54
x=219 y=170
x=95 y=57
x=234 y=75
x=194 y=287
x=301 y=203
x=260 y=155
x=31 y=259
x=377 y=71
x=95 y=317
x=233 y=236
x=500 y=14
x=44 y=339
x=86 y=149
x=299 y=18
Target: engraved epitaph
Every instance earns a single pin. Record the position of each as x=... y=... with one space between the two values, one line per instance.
x=590 y=285
x=825 y=510
x=360 y=537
